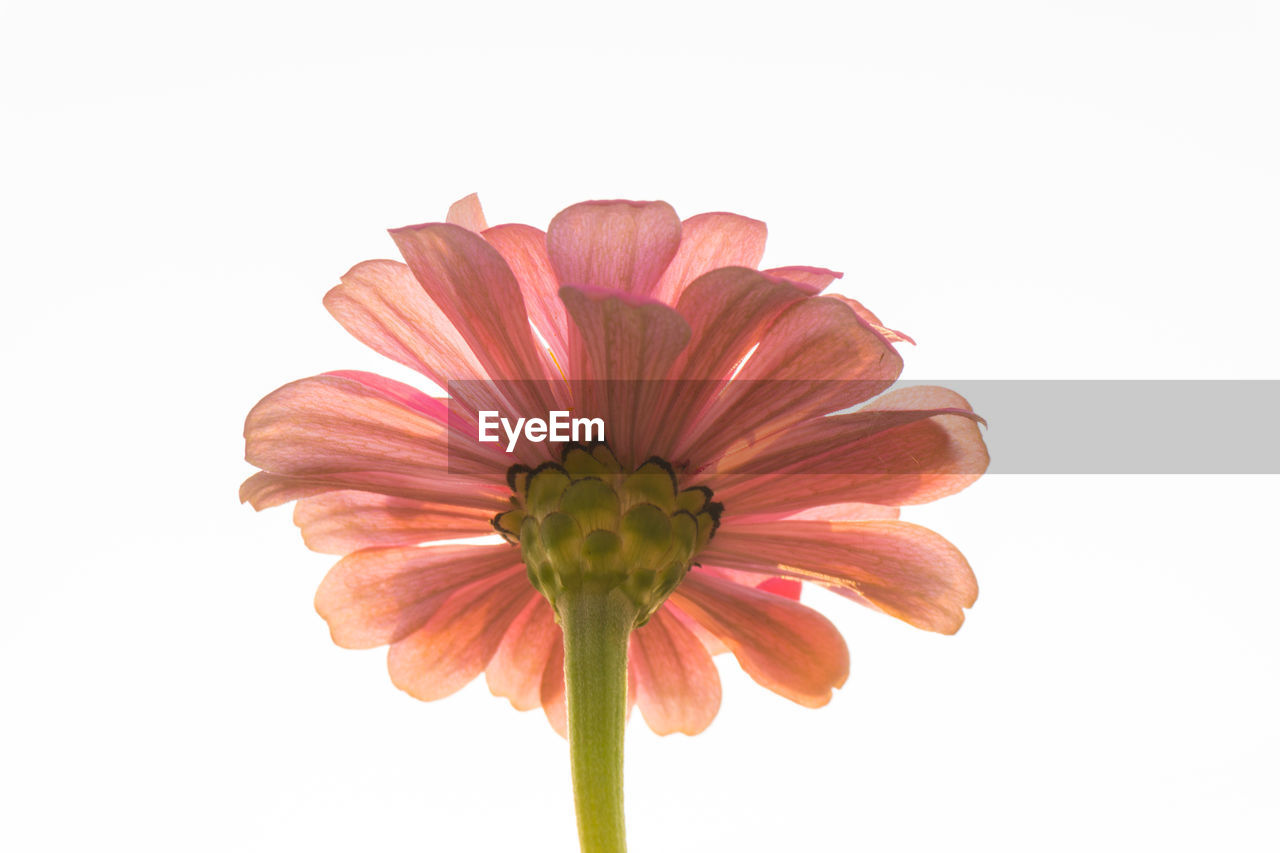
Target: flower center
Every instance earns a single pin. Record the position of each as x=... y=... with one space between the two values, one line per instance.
x=587 y=523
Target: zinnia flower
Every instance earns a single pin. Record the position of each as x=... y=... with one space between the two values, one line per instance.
x=724 y=482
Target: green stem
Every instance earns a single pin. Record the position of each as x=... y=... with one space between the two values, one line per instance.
x=597 y=625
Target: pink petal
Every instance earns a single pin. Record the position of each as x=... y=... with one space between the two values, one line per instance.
x=873 y=321
x=364 y=432
x=830 y=512
x=817 y=357
x=552 y=689
x=710 y=641
x=384 y=306
x=845 y=512
x=889 y=452
x=905 y=570
x=785 y=587
x=264 y=490
x=342 y=522
x=618 y=345
x=458 y=642
x=516 y=669
x=381 y=595
x=621 y=337
x=812 y=280
x=467 y=213
x=524 y=248
x=677 y=685
x=708 y=242
x=618 y=245
x=728 y=310
x=474 y=287
x=788 y=648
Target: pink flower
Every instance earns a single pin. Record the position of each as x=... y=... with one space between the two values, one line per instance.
x=617 y=291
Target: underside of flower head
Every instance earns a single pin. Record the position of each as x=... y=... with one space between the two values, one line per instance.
x=585 y=522
x=726 y=481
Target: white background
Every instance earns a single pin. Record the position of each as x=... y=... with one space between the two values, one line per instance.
x=1073 y=190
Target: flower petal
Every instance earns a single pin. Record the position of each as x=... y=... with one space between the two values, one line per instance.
x=677 y=685
x=467 y=213
x=618 y=345
x=619 y=245
x=476 y=290
x=785 y=587
x=910 y=446
x=357 y=431
x=622 y=338
x=263 y=490
x=381 y=304
x=813 y=280
x=817 y=357
x=381 y=595
x=710 y=641
x=524 y=248
x=708 y=242
x=516 y=668
x=460 y=639
x=552 y=689
x=845 y=512
x=873 y=321
x=905 y=570
x=787 y=647
x=728 y=310
x=342 y=522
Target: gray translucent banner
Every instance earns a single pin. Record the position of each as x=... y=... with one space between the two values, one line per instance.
x=1127 y=426
x=1031 y=426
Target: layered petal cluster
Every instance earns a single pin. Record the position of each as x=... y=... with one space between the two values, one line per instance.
x=734 y=375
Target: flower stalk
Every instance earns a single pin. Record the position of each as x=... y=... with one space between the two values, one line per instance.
x=597 y=623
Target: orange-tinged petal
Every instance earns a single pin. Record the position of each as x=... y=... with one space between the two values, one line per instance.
x=845 y=512
x=619 y=245
x=459 y=640
x=552 y=689
x=267 y=490
x=713 y=644
x=468 y=213
x=342 y=522
x=381 y=595
x=676 y=683
x=905 y=570
x=787 y=647
x=708 y=242
x=516 y=668
x=263 y=490
x=812 y=280
x=873 y=321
